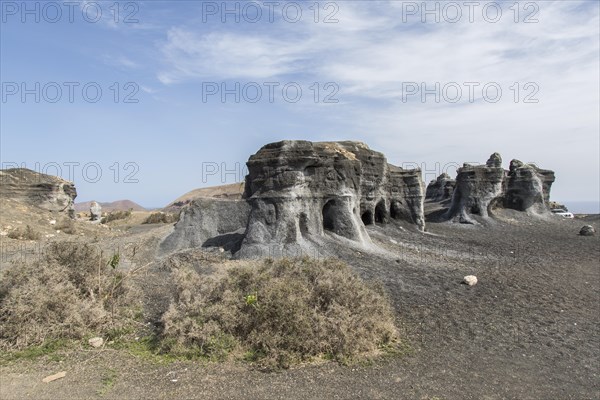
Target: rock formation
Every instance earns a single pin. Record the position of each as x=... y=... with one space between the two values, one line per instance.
x=44 y=191
x=587 y=230
x=299 y=189
x=209 y=222
x=298 y=192
x=479 y=188
x=441 y=188
x=95 y=211
x=528 y=187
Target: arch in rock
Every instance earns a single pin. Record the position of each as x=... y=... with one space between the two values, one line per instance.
x=367 y=217
x=329 y=215
x=380 y=212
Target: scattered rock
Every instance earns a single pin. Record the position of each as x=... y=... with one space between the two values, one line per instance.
x=587 y=230
x=96 y=342
x=95 y=211
x=54 y=377
x=470 y=280
x=52 y=222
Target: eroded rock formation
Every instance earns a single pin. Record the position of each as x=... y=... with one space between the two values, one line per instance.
x=209 y=222
x=528 y=187
x=479 y=188
x=95 y=211
x=300 y=189
x=298 y=192
x=45 y=191
x=441 y=188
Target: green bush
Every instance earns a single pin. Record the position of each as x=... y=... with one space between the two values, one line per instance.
x=278 y=313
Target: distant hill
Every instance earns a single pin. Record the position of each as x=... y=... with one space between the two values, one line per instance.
x=232 y=191
x=119 y=205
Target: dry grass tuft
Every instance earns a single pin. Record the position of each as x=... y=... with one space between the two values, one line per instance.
x=115 y=215
x=278 y=313
x=72 y=292
x=161 y=218
x=27 y=233
x=67 y=225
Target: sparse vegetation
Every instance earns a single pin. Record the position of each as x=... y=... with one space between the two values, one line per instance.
x=27 y=233
x=67 y=225
x=161 y=218
x=278 y=313
x=115 y=215
x=72 y=292
x=108 y=381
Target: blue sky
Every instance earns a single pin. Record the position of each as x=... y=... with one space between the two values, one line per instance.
x=373 y=58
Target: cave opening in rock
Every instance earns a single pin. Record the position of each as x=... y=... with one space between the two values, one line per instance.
x=329 y=216
x=395 y=210
x=303 y=222
x=367 y=217
x=380 y=214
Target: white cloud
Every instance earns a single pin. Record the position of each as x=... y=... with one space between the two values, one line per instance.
x=371 y=51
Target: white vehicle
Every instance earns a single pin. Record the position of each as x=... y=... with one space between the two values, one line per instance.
x=562 y=213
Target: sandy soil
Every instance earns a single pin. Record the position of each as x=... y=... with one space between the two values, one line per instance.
x=530 y=329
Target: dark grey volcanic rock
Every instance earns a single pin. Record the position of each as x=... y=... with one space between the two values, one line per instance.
x=528 y=187
x=476 y=187
x=209 y=222
x=441 y=188
x=495 y=161
x=299 y=190
x=45 y=191
x=480 y=188
x=587 y=230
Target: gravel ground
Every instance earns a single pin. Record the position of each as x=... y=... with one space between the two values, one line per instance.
x=528 y=330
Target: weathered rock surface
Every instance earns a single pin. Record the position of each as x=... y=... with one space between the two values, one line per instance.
x=528 y=187
x=300 y=190
x=209 y=222
x=44 y=191
x=297 y=193
x=476 y=187
x=587 y=230
x=479 y=188
x=441 y=188
x=95 y=211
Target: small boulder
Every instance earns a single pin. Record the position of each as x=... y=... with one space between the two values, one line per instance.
x=587 y=230
x=96 y=342
x=470 y=280
x=95 y=211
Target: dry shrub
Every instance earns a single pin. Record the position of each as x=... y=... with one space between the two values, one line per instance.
x=278 y=313
x=115 y=215
x=27 y=233
x=72 y=292
x=161 y=218
x=67 y=225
